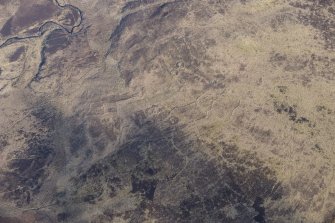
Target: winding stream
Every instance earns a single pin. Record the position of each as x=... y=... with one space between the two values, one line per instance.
x=49 y=26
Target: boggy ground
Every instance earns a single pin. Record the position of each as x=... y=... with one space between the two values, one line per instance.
x=167 y=111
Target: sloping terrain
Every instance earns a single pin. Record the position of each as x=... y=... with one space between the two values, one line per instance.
x=167 y=111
